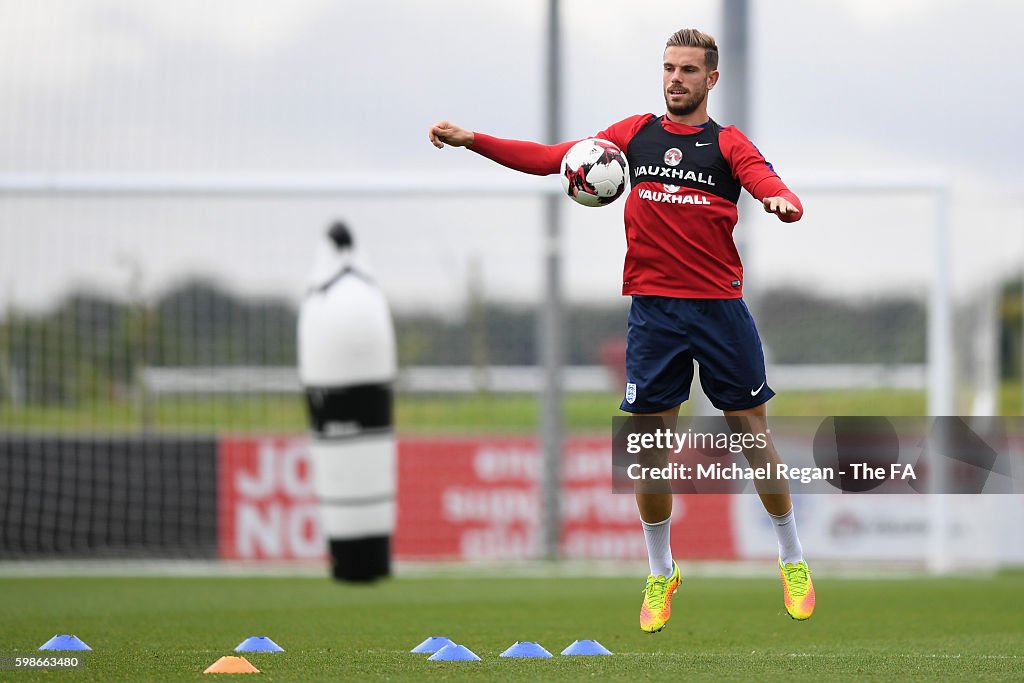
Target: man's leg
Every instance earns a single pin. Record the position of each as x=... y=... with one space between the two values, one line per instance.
x=659 y=371
x=654 y=501
x=774 y=494
x=655 y=504
x=798 y=591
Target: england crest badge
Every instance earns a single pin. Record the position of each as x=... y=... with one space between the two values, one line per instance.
x=630 y=393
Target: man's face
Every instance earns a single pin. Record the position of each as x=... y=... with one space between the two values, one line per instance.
x=686 y=79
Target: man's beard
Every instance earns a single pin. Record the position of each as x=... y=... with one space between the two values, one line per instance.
x=688 y=107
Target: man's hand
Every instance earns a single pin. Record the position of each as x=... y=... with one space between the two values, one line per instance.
x=781 y=206
x=446 y=132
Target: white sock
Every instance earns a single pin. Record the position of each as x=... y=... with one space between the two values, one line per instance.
x=790 y=550
x=659 y=546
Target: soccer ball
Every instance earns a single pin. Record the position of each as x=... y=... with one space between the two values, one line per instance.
x=594 y=172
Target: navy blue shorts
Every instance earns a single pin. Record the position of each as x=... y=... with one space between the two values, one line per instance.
x=666 y=335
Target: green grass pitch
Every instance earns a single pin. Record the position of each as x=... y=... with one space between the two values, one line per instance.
x=170 y=629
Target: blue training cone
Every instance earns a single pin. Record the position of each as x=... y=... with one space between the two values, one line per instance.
x=453 y=653
x=526 y=649
x=586 y=647
x=431 y=645
x=258 y=644
x=64 y=642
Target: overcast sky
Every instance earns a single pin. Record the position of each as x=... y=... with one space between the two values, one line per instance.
x=876 y=88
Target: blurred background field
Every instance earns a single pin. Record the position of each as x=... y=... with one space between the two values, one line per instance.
x=161 y=231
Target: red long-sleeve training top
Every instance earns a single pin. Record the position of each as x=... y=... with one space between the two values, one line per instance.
x=681 y=209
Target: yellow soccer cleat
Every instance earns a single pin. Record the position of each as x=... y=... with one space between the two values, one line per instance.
x=797 y=590
x=657 y=605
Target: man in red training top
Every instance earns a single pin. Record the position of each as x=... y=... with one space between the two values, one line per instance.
x=684 y=275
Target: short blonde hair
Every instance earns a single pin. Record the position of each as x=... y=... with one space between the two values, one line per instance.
x=691 y=37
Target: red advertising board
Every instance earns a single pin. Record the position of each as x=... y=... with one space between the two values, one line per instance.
x=479 y=499
x=458 y=498
x=265 y=500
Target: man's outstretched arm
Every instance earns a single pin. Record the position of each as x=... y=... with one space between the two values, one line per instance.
x=758 y=176
x=519 y=155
